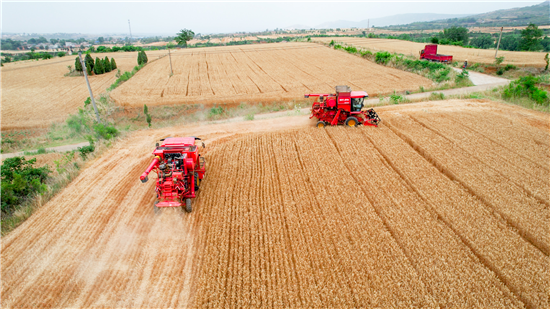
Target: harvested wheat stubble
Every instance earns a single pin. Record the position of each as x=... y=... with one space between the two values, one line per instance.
x=258 y=73
x=36 y=93
x=531 y=59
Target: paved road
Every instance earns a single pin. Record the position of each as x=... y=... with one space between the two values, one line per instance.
x=481 y=81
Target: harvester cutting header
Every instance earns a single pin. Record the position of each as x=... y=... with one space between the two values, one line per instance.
x=180 y=168
x=344 y=107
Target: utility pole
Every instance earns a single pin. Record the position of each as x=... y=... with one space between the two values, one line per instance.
x=170 y=56
x=85 y=70
x=130 y=28
x=498 y=44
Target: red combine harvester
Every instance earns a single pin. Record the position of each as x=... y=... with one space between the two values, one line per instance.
x=430 y=53
x=344 y=107
x=180 y=168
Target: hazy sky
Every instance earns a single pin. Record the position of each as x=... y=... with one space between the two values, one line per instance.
x=160 y=17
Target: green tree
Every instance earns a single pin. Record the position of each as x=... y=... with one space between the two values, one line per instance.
x=89 y=69
x=484 y=41
x=77 y=64
x=145 y=59
x=89 y=62
x=184 y=36
x=98 y=67
x=107 y=65
x=531 y=38
x=509 y=42
x=456 y=34
x=113 y=64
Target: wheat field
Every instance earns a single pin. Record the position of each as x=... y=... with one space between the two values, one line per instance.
x=36 y=93
x=444 y=205
x=258 y=73
x=473 y=55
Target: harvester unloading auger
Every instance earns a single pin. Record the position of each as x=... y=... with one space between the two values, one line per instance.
x=344 y=107
x=180 y=168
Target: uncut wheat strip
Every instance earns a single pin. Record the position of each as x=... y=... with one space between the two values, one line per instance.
x=508 y=163
x=370 y=262
x=524 y=269
x=295 y=201
x=319 y=254
x=294 y=287
x=522 y=211
x=453 y=274
x=516 y=136
x=213 y=205
x=213 y=278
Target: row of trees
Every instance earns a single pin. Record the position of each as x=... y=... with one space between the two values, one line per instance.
x=529 y=39
x=99 y=66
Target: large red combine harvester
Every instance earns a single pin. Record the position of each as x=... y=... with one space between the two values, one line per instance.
x=343 y=107
x=180 y=168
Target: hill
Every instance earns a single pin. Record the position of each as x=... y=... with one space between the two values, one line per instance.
x=388 y=20
x=537 y=14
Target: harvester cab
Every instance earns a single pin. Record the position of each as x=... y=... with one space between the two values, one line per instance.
x=180 y=169
x=343 y=107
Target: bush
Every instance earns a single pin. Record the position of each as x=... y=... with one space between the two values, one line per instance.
x=77 y=123
x=510 y=67
x=105 y=131
x=500 y=71
x=216 y=112
x=20 y=180
x=525 y=87
x=383 y=57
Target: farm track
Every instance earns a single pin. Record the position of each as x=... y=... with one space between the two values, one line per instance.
x=406 y=214
x=473 y=55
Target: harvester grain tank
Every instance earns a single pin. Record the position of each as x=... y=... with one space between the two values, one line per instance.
x=180 y=169
x=430 y=53
x=343 y=107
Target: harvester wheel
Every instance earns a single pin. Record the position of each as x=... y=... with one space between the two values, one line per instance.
x=188 y=207
x=157 y=210
x=351 y=121
x=197 y=182
x=321 y=124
